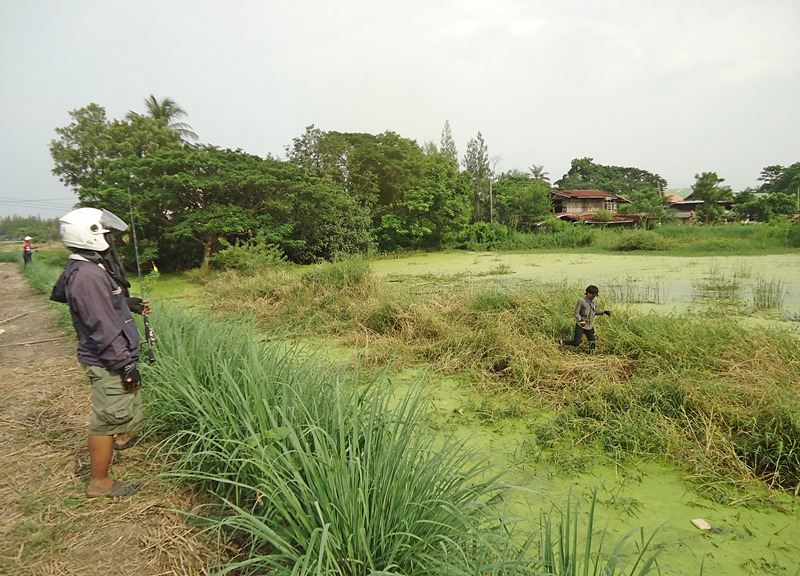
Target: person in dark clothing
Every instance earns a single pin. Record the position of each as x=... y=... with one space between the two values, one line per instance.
x=95 y=287
x=585 y=313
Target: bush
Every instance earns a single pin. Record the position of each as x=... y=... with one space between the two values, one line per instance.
x=640 y=240
x=247 y=257
x=793 y=236
x=337 y=275
x=486 y=235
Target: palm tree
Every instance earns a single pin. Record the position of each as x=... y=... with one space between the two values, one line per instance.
x=538 y=173
x=167 y=112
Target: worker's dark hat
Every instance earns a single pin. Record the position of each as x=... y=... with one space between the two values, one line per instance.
x=592 y=289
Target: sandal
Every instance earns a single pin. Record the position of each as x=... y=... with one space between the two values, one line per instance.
x=133 y=441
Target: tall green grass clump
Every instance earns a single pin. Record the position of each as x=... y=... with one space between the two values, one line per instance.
x=248 y=257
x=631 y=240
x=565 y=550
x=768 y=294
x=313 y=474
x=734 y=238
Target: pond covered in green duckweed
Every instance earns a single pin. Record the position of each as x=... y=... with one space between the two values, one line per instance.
x=745 y=537
x=642 y=499
x=761 y=289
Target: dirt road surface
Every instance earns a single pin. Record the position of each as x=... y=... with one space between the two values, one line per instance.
x=47 y=525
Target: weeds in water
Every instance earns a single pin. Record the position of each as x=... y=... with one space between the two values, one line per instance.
x=769 y=294
x=718 y=286
x=635 y=290
x=564 y=550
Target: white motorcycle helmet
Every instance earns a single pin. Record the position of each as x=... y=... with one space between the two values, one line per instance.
x=85 y=228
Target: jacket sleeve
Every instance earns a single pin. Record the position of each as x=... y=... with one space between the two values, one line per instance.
x=90 y=297
x=577 y=313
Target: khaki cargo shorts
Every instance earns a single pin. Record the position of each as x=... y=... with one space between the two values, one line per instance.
x=113 y=410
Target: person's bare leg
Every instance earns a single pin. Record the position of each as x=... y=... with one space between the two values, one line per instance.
x=101 y=450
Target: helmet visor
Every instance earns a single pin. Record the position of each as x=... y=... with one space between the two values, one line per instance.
x=110 y=220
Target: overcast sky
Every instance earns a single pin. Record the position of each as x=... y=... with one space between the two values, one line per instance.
x=675 y=88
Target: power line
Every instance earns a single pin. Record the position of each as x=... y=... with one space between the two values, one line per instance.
x=49 y=204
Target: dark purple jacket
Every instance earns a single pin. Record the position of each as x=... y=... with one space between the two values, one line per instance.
x=107 y=334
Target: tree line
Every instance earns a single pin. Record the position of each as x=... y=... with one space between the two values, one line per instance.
x=335 y=193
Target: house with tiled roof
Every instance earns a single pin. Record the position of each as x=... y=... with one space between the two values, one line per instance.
x=578 y=205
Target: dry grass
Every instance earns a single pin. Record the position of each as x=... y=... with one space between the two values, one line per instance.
x=48 y=526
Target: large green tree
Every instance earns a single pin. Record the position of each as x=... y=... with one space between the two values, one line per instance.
x=477 y=165
x=585 y=174
x=522 y=201
x=184 y=199
x=783 y=180
x=447 y=145
x=707 y=188
x=432 y=213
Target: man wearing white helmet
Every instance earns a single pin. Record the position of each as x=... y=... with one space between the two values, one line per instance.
x=95 y=287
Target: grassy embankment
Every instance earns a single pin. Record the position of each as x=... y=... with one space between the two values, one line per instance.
x=310 y=471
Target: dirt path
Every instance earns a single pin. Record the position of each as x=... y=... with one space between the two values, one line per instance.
x=47 y=525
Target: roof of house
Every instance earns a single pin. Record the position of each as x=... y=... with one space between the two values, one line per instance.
x=674 y=198
x=683 y=192
x=587 y=194
x=589 y=218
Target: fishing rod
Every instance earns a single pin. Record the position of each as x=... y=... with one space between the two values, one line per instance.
x=148 y=332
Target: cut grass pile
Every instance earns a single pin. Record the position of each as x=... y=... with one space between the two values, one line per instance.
x=716 y=398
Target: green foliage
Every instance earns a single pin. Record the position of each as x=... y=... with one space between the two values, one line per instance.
x=748 y=206
x=641 y=185
x=645 y=201
x=707 y=188
x=312 y=473
x=186 y=199
x=435 y=212
x=630 y=240
x=522 y=202
x=730 y=238
x=603 y=216
x=447 y=146
x=562 y=551
x=248 y=257
x=337 y=275
x=780 y=179
x=793 y=234
x=167 y=113
x=53 y=257
x=482 y=235
x=17 y=227
x=476 y=164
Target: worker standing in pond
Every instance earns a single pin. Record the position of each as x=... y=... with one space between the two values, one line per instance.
x=585 y=313
x=95 y=287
